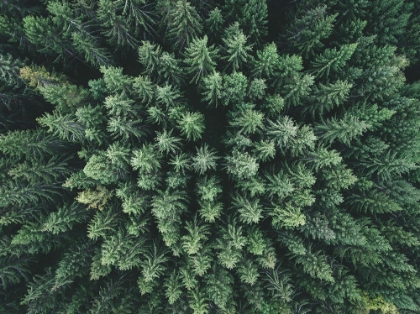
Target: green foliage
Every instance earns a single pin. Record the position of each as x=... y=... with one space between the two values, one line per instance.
x=63 y=126
x=288 y=216
x=204 y=160
x=115 y=27
x=166 y=143
x=215 y=21
x=282 y=131
x=9 y=70
x=243 y=156
x=307 y=31
x=115 y=80
x=192 y=125
x=265 y=150
x=183 y=23
x=173 y=285
x=250 y=121
x=29 y=143
x=64 y=219
x=343 y=130
x=41 y=297
x=331 y=59
x=122 y=251
x=241 y=165
x=250 y=211
x=144 y=88
x=209 y=211
x=17 y=193
x=235 y=50
x=234 y=88
x=213 y=88
x=266 y=62
x=94 y=199
x=200 y=59
x=145 y=159
x=254 y=19
x=298 y=90
x=192 y=241
x=330 y=96
x=13 y=269
x=42 y=34
x=168 y=207
x=34 y=171
x=89 y=48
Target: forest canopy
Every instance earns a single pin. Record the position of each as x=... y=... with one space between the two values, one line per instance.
x=209 y=156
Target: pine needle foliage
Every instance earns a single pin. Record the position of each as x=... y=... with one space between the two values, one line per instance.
x=202 y=156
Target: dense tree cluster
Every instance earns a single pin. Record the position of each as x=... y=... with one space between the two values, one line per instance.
x=203 y=156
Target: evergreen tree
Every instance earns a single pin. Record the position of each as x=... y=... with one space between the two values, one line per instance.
x=236 y=51
x=115 y=27
x=191 y=125
x=307 y=31
x=214 y=22
x=204 y=160
x=254 y=19
x=343 y=130
x=183 y=23
x=200 y=58
x=266 y=62
x=213 y=88
x=332 y=60
x=234 y=88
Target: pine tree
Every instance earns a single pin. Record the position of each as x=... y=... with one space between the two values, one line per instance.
x=65 y=127
x=144 y=88
x=145 y=159
x=91 y=50
x=9 y=70
x=215 y=21
x=115 y=80
x=234 y=88
x=266 y=62
x=183 y=24
x=30 y=143
x=332 y=59
x=343 y=130
x=213 y=88
x=200 y=59
x=42 y=34
x=282 y=132
x=142 y=14
x=192 y=242
x=298 y=89
x=307 y=31
x=204 y=160
x=265 y=150
x=166 y=143
x=250 y=211
x=257 y=89
x=169 y=69
x=254 y=19
x=329 y=96
x=249 y=121
x=235 y=51
x=241 y=165
x=35 y=170
x=173 y=287
x=191 y=125
x=114 y=26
